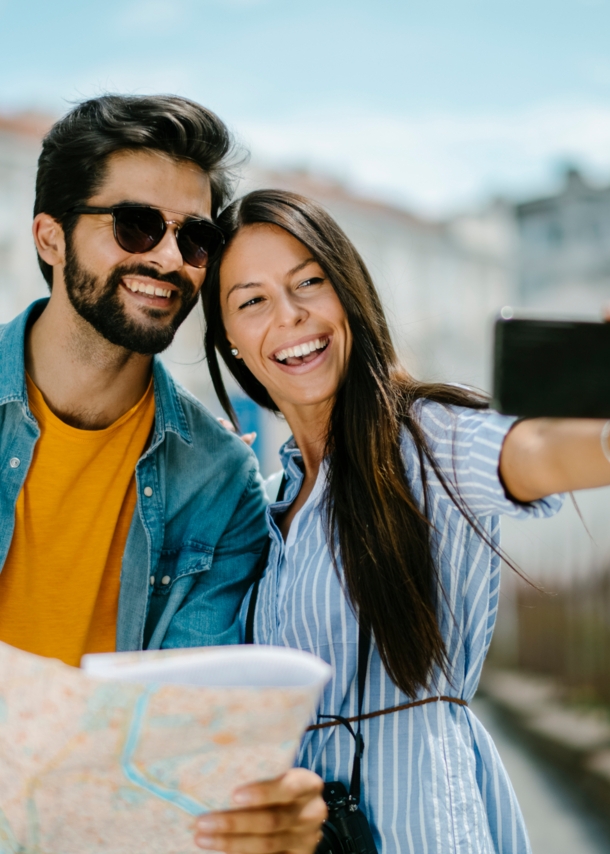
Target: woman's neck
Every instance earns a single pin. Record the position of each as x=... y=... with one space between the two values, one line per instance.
x=309 y=426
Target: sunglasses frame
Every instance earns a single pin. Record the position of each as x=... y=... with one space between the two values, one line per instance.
x=90 y=209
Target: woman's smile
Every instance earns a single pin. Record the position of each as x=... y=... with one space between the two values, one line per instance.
x=303 y=355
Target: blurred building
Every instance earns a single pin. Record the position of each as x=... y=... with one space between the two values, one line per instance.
x=20 y=279
x=564 y=248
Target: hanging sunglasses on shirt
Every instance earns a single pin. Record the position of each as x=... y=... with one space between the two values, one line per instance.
x=139 y=228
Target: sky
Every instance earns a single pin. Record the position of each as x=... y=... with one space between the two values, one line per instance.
x=436 y=105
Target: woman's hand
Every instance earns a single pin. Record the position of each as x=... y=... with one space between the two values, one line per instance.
x=281 y=815
x=247 y=438
x=542 y=456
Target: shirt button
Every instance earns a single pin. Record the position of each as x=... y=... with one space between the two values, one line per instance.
x=148 y=491
x=14 y=462
x=166 y=579
x=152 y=579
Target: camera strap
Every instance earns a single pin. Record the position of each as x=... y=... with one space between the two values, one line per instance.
x=364 y=646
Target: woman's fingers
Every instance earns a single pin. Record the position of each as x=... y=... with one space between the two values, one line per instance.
x=303 y=814
x=288 y=844
x=276 y=843
x=286 y=814
x=247 y=438
x=291 y=786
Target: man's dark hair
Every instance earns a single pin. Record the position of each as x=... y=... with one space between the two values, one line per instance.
x=72 y=165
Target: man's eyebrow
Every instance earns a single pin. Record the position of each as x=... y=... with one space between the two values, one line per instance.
x=125 y=203
x=244 y=285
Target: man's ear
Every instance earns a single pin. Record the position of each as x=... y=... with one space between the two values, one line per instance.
x=49 y=239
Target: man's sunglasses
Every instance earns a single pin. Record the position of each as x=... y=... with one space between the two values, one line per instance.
x=138 y=229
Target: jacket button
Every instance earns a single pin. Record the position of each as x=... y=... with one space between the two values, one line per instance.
x=152 y=579
x=14 y=462
x=148 y=491
x=166 y=579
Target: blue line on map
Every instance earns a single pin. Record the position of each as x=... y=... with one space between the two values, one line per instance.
x=135 y=776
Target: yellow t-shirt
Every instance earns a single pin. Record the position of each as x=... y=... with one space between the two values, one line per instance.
x=59 y=588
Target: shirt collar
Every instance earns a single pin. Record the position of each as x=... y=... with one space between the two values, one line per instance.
x=289 y=451
x=169 y=413
x=292 y=463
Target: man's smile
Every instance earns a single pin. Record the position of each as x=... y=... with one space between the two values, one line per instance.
x=150 y=292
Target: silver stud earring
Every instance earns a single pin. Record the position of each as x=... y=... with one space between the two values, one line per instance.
x=234 y=351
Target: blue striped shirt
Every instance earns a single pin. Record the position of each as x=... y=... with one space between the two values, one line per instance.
x=432 y=779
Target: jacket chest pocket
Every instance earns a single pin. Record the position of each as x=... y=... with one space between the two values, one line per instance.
x=190 y=559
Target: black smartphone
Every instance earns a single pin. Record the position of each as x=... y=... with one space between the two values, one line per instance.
x=552 y=368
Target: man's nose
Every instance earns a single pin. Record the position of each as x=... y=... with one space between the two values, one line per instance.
x=166 y=254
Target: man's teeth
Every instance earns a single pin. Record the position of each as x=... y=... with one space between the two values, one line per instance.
x=301 y=349
x=151 y=290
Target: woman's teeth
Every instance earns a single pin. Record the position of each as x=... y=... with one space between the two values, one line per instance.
x=151 y=290
x=301 y=349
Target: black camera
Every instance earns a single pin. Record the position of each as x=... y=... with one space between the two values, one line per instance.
x=346 y=831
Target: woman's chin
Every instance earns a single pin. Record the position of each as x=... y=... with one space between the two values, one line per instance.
x=305 y=397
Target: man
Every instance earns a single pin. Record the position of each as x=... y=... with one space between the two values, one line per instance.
x=129 y=518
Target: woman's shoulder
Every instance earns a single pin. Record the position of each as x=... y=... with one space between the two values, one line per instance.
x=443 y=422
x=462 y=442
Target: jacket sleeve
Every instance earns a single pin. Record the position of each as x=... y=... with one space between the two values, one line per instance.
x=209 y=613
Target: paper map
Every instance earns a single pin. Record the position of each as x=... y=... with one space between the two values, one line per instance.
x=97 y=765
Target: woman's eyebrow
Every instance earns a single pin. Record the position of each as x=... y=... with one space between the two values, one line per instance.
x=241 y=286
x=244 y=285
x=300 y=266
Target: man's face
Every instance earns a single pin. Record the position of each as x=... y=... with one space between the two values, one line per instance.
x=105 y=283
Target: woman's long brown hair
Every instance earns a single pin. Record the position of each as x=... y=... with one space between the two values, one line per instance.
x=373 y=520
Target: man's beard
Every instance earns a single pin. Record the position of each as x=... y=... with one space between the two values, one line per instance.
x=100 y=305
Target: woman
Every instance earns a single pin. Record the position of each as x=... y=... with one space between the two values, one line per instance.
x=389 y=518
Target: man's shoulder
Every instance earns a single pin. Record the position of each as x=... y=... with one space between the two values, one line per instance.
x=213 y=466
x=6 y=327
x=208 y=436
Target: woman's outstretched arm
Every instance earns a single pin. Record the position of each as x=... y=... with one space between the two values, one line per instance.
x=542 y=456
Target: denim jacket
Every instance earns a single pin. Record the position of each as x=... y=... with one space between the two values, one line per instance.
x=199 y=523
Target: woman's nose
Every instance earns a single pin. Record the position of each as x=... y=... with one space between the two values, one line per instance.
x=289 y=311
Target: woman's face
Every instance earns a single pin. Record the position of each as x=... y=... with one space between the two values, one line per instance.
x=282 y=314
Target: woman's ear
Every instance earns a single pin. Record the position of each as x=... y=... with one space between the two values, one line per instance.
x=49 y=239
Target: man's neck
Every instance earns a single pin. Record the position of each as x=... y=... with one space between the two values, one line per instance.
x=85 y=380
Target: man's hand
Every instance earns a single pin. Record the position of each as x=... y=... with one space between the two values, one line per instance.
x=281 y=815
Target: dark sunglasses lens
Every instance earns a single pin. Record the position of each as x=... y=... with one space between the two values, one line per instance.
x=199 y=243
x=138 y=229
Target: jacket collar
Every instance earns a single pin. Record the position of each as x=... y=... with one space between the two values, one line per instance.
x=12 y=343
x=169 y=413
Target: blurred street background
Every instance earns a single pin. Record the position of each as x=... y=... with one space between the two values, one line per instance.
x=465 y=148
